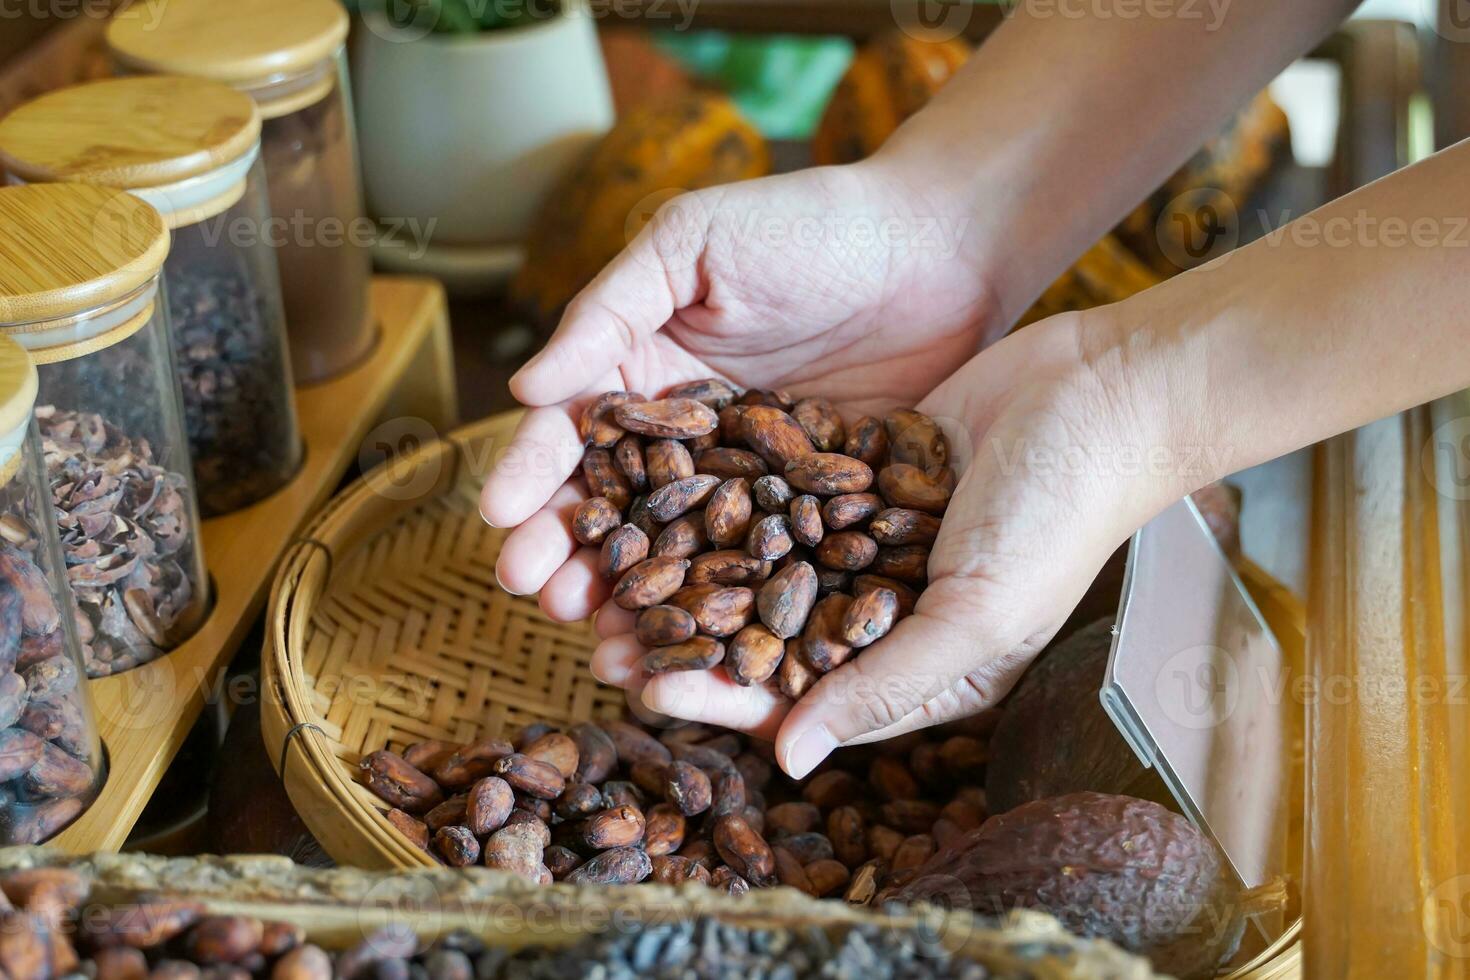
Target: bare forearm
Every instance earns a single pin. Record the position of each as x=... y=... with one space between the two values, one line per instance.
x=1074 y=110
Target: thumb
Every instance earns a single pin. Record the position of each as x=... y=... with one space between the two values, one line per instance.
x=656 y=275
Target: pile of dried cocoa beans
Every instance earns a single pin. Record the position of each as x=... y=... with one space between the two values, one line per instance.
x=745 y=528
x=613 y=803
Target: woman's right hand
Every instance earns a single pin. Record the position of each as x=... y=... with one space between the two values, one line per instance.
x=846 y=282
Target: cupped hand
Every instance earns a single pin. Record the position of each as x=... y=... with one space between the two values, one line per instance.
x=841 y=281
x=1041 y=426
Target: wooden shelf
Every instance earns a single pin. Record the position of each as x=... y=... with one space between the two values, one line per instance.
x=145 y=714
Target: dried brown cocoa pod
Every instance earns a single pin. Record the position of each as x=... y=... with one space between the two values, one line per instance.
x=786 y=599
x=724 y=611
x=908 y=563
x=806 y=520
x=664 y=830
x=744 y=850
x=516 y=849
x=650 y=582
x=795 y=676
x=533 y=777
x=664 y=625
x=560 y=861
x=914 y=851
x=870 y=617
x=393 y=780
x=910 y=816
x=594 y=519
x=726 y=567
x=848 y=551
x=772 y=494
x=635 y=745
x=710 y=391
x=470 y=763
x=684 y=537
x=142 y=924
x=621 y=792
x=753 y=655
x=451 y=811
x=883 y=842
x=828 y=877
x=603 y=479
x=675 y=869
x=488 y=805
x=847 y=831
x=619 y=826
x=728 y=794
x=618 y=866
x=795 y=817
x=808 y=847
x=829 y=474
x=775 y=436
x=850 y=509
x=866 y=881
x=429 y=755
x=667 y=418
x=727 y=513
x=597 y=757
x=909 y=487
x=833 y=788
x=818 y=418
x=892 y=779
x=621 y=550
x=964 y=755
x=577 y=801
x=915 y=439
x=898 y=526
x=598 y=427
x=667 y=461
x=126 y=963
x=729 y=463
x=627 y=456
x=674 y=500
x=409 y=826
x=697 y=653
x=687 y=787
x=907 y=597
x=557 y=749
x=822 y=645
x=867 y=441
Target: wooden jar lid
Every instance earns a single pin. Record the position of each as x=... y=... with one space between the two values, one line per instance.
x=145 y=131
x=244 y=43
x=17 y=385
x=69 y=248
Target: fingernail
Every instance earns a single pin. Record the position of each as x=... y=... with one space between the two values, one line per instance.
x=616 y=676
x=505 y=588
x=808 y=751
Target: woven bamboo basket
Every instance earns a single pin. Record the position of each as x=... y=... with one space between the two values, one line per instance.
x=386 y=627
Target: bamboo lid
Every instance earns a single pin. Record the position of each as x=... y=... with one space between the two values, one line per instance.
x=17 y=386
x=244 y=43
x=69 y=248
x=129 y=133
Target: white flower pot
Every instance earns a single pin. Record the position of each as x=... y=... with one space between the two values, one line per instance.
x=470 y=132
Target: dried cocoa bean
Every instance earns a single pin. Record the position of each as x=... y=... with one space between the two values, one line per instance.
x=687 y=787
x=533 y=777
x=634 y=745
x=429 y=755
x=598 y=427
x=833 y=788
x=883 y=842
x=725 y=611
x=596 y=754
x=770 y=537
x=829 y=474
x=821 y=642
x=684 y=537
x=650 y=582
x=457 y=846
x=867 y=441
x=910 y=816
x=849 y=509
x=451 y=811
x=727 y=791
x=577 y=801
x=775 y=436
x=667 y=418
x=706 y=757
x=913 y=852
x=774 y=397
x=772 y=494
x=488 y=805
x=870 y=617
x=821 y=423
x=727 y=514
x=724 y=879
x=621 y=550
x=790 y=872
x=603 y=479
x=648 y=777
x=471 y=763
x=664 y=830
x=897 y=526
x=594 y=519
x=700 y=851
x=528 y=809
x=628 y=458
x=745 y=851
x=806 y=520
x=393 y=780
x=639 y=517
x=808 y=847
x=915 y=439
x=847 y=551
x=785 y=601
x=409 y=826
x=19 y=751
x=756 y=770
x=710 y=391
x=675 y=869
x=795 y=677
x=795 y=817
x=892 y=779
x=667 y=461
x=557 y=749
x=964 y=756
x=753 y=655
x=560 y=861
x=620 y=826
x=126 y=963
x=848 y=834
x=909 y=487
x=673 y=500
x=698 y=653
x=863 y=887
x=828 y=877
x=518 y=850
x=727 y=567
x=619 y=866
x=662 y=626
x=907 y=597
x=728 y=463
x=141 y=924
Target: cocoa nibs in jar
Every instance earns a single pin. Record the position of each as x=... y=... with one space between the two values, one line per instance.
x=617 y=803
x=769 y=520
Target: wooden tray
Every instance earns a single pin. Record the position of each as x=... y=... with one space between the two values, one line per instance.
x=145 y=714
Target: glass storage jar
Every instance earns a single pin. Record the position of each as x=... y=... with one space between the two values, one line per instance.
x=190 y=148
x=50 y=760
x=80 y=290
x=288 y=56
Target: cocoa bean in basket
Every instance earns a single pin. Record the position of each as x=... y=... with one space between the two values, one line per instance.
x=848 y=834
x=451 y=811
x=687 y=787
x=828 y=877
x=667 y=461
x=594 y=519
x=429 y=755
x=727 y=567
x=770 y=537
x=847 y=551
x=539 y=779
x=850 y=509
x=636 y=745
x=619 y=866
x=772 y=494
x=775 y=436
x=795 y=676
x=906 y=596
x=557 y=749
x=578 y=800
x=620 y=826
x=744 y=850
x=725 y=879
x=727 y=513
x=806 y=520
x=664 y=830
x=828 y=474
x=899 y=526
x=728 y=463
x=597 y=756
x=909 y=563
x=822 y=644
x=397 y=782
x=866 y=881
x=667 y=418
x=489 y=804
x=724 y=612
x=472 y=762
x=675 y=869
x=789 y=871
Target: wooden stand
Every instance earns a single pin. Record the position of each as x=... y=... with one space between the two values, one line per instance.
x=145 y=714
